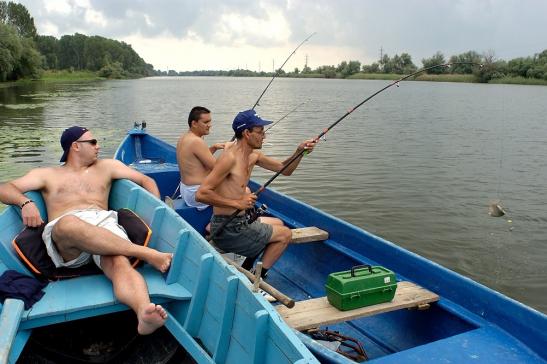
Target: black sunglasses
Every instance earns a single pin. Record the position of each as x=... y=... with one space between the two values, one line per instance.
x=90 y=141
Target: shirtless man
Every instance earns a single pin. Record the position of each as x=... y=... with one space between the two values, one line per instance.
x=225 y=189
x=80 y=228
x=195 y=159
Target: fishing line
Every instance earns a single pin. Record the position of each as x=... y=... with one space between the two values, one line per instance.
x=325 y=131
x=277 y=74
x=287 y=114
x=495 y=209
x=279 y=70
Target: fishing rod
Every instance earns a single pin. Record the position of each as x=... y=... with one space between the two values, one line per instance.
x=325 y=131
x=287 y=114
x=279 y=70
x=277 y=74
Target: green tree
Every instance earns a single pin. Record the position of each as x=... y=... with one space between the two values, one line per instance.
x=113 y=70
x=488 y=69
x=18 y=56
x=71 y=51
x=468 y=58
x=385 y=62
x=327 y=71
x=48 y=46
x=438 y=58
x=346 y=69
x=17 y=16
x=372 y=68
x=399 y=64
x=3 y=12
x=520 y=66
x=30 y=62
x=10 y=51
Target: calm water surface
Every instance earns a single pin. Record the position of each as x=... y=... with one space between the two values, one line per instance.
x=417 y=165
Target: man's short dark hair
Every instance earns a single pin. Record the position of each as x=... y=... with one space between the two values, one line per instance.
x=196 y=112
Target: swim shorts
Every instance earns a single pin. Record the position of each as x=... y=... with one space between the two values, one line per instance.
x=96 y=217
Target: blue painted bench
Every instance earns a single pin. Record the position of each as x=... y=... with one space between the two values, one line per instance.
x=198 y=219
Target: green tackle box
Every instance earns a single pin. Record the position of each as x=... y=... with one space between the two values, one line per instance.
x=363 y=285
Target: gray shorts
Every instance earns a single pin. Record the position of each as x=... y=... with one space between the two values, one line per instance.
x=240 y=237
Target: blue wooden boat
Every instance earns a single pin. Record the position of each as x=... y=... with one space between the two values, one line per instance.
x=437 y=316
x=213 y=313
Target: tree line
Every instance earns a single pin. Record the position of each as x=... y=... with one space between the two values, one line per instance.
x=25 y=53
x=534 y=67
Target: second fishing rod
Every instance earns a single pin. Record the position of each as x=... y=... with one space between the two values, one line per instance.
x=277 y=73
x=302 y=152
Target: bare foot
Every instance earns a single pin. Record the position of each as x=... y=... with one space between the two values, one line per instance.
x=161 y=261
x=151 y=318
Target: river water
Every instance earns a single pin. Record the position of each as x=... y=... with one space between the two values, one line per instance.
x=417 y=165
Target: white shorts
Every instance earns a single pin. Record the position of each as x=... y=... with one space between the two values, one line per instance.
x=188 y=194
x=101 y=218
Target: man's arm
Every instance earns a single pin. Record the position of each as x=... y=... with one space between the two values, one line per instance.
x=12 y=193
x=207 y=194
x=120 y=170
x=203 y=153
x=213 y=148
x=275 y=165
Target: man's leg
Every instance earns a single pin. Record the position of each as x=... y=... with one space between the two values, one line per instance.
x=130 y=289
x=281 y=236
x=73 y=235
x=270 y=220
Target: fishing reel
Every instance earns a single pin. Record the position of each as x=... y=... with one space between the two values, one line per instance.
x=255 y=212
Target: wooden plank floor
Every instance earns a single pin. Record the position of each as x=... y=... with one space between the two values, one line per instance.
x=318 y=311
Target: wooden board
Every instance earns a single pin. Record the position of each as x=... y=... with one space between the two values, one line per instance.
x=318 y=311
x=308 y=234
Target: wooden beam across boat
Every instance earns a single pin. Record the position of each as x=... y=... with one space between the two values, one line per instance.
x=308 y=235
x=318 y=311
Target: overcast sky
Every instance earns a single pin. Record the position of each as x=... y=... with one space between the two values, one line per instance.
x=193 y=35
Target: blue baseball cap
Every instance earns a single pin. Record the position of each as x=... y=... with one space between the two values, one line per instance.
x=248 y=119
x=70 y=135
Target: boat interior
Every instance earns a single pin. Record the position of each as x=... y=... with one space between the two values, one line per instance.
x=450 y=323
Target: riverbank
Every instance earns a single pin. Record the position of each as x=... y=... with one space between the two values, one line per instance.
x=59 y=76
x=66 y=75
x=449 y=78
x=463 y=78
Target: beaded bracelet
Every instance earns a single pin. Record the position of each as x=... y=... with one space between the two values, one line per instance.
x=26 y=202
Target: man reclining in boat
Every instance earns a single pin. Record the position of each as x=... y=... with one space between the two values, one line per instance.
x=226 y=189
x=80 y=226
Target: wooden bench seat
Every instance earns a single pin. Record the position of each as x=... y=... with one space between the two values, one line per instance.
x=308 y=235
x=318 y=311
x=54 y=307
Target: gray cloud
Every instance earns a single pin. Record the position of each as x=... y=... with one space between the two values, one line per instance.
x=510 y=28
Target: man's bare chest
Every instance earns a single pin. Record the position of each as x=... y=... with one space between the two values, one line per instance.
x=77 y=185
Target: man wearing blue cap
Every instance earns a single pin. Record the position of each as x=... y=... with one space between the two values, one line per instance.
x=81 y=228
x=225 y=189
